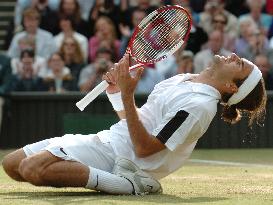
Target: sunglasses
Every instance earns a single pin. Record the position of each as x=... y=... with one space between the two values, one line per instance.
x=219 y=21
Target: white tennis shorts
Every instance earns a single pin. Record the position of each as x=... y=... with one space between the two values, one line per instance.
x=86 y=149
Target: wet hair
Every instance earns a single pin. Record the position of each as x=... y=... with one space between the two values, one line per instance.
x=253 y=105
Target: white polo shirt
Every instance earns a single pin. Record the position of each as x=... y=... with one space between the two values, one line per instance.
x=178 y=112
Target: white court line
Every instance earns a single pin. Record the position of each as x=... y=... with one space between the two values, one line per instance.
x=240 y=164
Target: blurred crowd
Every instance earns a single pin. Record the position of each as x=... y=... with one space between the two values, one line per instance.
x=67 y=45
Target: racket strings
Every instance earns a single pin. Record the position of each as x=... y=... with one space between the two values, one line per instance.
x=159 y=31
x=165 y=42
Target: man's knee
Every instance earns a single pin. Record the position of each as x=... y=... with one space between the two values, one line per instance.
x=30 y=171
x=11 y=163
x=33 y=169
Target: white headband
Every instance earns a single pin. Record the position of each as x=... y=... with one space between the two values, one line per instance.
x=248 y=85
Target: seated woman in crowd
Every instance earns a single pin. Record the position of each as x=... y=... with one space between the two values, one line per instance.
x=58 y=78
x=73 y=56
x=67 y=25
x=104 y=31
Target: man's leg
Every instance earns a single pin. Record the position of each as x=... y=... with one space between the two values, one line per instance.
x=11 y=164
x=45 y=169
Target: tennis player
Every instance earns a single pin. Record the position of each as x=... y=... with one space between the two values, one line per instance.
x=150 y=142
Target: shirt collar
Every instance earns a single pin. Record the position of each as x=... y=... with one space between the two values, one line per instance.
x=203 y=88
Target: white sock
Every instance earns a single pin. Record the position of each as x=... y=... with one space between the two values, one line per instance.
x=104 y=181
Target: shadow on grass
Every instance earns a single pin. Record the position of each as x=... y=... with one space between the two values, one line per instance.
x=75 y=197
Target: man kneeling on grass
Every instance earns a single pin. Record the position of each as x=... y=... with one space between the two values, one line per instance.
x=150 y=142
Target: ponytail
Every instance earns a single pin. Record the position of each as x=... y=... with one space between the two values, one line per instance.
x=253 y=105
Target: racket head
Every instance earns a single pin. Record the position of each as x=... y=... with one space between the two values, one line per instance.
x=160 y=34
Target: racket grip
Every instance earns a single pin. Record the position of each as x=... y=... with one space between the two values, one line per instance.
x=92 y=95
x=98 y=90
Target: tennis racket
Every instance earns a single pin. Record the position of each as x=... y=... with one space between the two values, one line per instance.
x=157 y=36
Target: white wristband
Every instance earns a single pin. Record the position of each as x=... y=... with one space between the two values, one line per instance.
x=116 y=101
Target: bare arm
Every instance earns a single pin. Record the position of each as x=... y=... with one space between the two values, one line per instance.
x=144 y=143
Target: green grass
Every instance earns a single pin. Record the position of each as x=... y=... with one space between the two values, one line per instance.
x=193 y=184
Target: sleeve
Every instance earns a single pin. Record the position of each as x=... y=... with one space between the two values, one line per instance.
x=176 y=128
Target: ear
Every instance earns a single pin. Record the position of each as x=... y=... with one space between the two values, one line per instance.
x=231 y=87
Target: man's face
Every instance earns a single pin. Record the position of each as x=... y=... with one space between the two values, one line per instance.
x=231 y=67
x=56 y=63
x=31 y=24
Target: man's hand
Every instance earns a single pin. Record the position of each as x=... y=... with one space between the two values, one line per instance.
x=111 y=78
x=125 y=81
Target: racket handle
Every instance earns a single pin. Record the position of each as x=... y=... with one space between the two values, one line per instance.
x=92 y=95
x=97 y=90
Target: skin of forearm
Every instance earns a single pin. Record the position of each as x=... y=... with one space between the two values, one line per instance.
x=144 y=144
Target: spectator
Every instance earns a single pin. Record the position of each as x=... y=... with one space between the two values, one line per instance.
x=263 y=64
x=184 y=62
x=246 y=27
x=257 y=44
x=67 y=25
x=104 y=8
x=91 y=75
x=26 y=79
x=72 y=8
x=126 y=31
x=39 y=64
x=215 y=47
x=104 y=32
x=219 y=22
x=58 y=78
x=261 y=19
x=73 y=56
x=5 y=76
x=44 y=39
x=213 y=7
x=22 y=5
